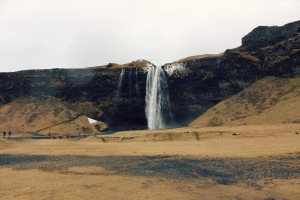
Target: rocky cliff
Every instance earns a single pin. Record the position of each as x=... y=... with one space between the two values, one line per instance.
x=89 y=91
x=195 y=83
x=263 y=36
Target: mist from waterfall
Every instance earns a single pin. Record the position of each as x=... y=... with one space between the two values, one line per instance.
x=119 y=86
x=157 y=109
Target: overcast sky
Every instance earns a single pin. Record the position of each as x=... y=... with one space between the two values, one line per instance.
x=81 y=33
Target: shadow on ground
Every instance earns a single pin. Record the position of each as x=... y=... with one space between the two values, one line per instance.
x=221 y=170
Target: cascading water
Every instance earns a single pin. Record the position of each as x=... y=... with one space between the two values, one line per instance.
x=130 y=83
x=119 y=87
x=158 y=111
x=137 y=83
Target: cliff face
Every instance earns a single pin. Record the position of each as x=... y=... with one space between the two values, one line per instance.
x=195 y=83
x=89 y=91
x=263 y=36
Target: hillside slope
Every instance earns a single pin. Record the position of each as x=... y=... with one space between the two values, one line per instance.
x=268 y=101
x=44 y=115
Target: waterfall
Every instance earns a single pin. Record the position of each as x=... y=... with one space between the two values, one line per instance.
x=158 y=111
x=137 y=83
x=119 y=86
x=130 y=84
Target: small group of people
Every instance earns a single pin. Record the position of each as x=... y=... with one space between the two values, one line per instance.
x=9 y=134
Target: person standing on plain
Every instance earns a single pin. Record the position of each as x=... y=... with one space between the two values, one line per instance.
x=4 y=133
x=9 y=134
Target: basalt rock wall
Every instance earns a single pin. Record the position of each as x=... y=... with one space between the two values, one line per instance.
x=89 y=91
x=196 y=84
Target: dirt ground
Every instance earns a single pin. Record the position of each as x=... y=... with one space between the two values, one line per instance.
x=242 y=162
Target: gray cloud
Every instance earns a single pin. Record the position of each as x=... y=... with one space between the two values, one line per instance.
x=79 y=33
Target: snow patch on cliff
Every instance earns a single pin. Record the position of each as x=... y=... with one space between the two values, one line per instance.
x=92 y=121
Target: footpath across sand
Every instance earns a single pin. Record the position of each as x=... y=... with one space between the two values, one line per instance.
x=237 y=141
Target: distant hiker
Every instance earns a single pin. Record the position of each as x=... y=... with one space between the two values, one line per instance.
x=4 y=133
x=9 y=134
x=49 y=134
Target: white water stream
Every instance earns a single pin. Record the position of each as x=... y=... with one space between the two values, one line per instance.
x=157 y=109
x=120 y=83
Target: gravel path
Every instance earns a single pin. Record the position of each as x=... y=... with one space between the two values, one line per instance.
x=222 y=170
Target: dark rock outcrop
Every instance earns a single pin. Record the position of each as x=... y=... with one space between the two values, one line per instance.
x=265 y=35
x=202 y=82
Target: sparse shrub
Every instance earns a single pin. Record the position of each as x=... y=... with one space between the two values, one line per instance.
x=57 y=111
x=196 y=136
x=32 y=117
x=69 y=115
x=85 y=108
x=86 y=129
x=273 y=101
x=214 y=122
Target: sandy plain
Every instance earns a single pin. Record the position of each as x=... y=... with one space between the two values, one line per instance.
x=237 y=162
